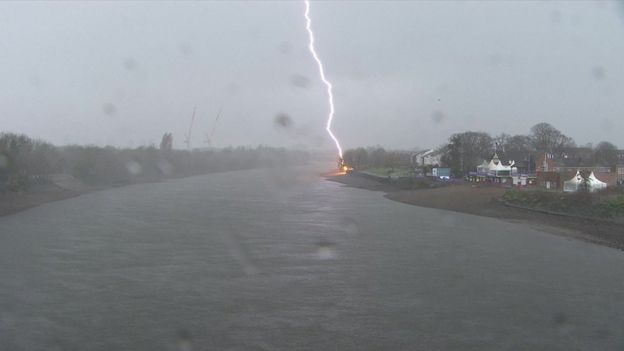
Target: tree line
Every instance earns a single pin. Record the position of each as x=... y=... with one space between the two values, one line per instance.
x=26 y=162
x=464 y=151
x=376 y=157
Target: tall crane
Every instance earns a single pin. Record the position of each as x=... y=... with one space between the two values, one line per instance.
x=187 y=137
x=208 y=140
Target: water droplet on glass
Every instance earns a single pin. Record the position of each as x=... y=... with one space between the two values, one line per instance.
x=134 y=167
x=130 y=64
x=555 y=16
x=184 y=340
x=495 y=60
x=185 y=48
x=599 y=73
x=349 y=226
x=325 y=251
x=285 y=47
x=300 y=81
x=165 y=167
x=438 y=117
x=283 y=120
x=559 y=318
x=109 y=109
x=607 y=124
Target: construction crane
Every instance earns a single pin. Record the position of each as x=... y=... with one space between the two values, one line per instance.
x=208 y=140
x=187 y=137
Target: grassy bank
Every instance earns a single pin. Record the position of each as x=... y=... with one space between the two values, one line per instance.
x=485 y=201
x=608 y=204
x=33 y=171
x=27 y=163
x=390 y=171
x=399 y=179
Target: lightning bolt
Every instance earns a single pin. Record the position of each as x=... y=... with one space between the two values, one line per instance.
x=327 y=83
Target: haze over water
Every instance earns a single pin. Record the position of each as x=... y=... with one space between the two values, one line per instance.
x=282 y=259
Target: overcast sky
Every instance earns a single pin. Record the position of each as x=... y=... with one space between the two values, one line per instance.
x=406 y=74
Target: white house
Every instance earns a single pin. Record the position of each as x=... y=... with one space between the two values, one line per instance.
x=430 y=157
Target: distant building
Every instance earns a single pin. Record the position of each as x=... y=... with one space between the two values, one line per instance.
x=495 y=168
x=441 y=173
x=430 y=157
x=620 y=167
x=497 y=172
x=547 y=177
x=553 y=170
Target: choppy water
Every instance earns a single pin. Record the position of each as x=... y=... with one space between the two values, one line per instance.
x=263 y=260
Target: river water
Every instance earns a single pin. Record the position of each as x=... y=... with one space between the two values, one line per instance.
x=268 y=259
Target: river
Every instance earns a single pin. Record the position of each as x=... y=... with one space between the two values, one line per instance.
x=283 y=259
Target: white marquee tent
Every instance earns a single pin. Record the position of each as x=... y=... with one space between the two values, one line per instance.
x=595 y=184
x=574 y=184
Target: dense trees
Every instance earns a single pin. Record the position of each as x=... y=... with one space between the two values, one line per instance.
x=376 y=157
x=356 y=158
x=506 y=144
x=605 y=153
x=24 y=162
x=464 y=151
x=546 y=138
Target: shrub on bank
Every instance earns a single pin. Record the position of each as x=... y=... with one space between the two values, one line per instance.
x=602 y=204
x=25 y=162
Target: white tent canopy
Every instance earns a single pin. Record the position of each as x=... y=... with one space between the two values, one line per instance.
x=593 y=183
x=573 y=184
x=495 y=166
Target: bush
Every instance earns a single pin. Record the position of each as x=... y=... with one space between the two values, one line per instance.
x=25 y=161
x=608 y=204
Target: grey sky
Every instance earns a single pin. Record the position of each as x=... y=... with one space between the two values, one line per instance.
x=406 y=74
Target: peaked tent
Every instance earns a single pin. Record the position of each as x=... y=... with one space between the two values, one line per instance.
x=595 y=184
x=573 y=184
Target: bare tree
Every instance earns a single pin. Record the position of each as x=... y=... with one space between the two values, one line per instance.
x=547 y=138
x=465 y=151
x=605 y=153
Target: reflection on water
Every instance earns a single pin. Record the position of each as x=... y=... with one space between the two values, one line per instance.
x=281 y=259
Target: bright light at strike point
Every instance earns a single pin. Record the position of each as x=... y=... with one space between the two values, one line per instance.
x=330 y=118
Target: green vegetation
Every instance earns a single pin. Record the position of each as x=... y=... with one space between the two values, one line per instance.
x=604 y=204
x=391 y=171
x=25 y=162
x=377 y=158
x=611 y=207
x=462 y=152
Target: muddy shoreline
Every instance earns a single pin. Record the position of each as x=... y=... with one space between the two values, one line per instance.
x=485 y=201
x=13 y=202
x=463 y=198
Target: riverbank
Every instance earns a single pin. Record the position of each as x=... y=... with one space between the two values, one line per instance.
x=486 y=201
x=13 y=202
x=63 y=186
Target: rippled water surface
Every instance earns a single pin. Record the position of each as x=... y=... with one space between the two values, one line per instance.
x=282 y=259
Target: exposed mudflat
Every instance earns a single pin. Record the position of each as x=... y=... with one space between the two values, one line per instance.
x=484 y=201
